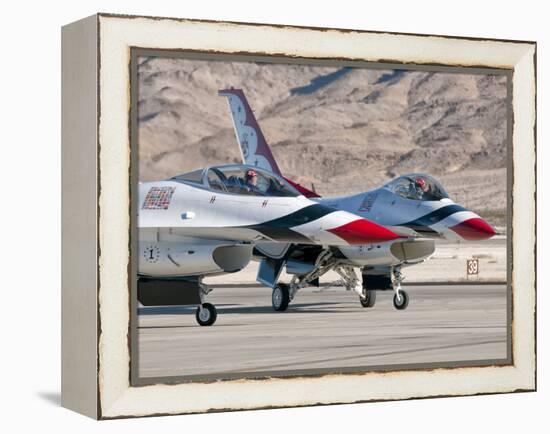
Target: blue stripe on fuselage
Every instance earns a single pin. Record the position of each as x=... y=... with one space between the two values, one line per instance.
x=422 y=224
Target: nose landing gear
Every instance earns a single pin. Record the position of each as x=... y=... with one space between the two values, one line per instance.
x=400 y=298
x=206 y=313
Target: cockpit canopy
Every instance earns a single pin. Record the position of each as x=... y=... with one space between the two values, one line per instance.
x=417 y=186
x=239 y=179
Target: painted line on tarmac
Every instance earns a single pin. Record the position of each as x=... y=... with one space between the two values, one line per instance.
x=465 y=282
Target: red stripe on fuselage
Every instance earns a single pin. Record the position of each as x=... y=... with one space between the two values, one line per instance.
x=474 y=229
x=364 y=232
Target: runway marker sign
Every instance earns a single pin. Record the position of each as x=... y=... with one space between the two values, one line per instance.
x=472 y=267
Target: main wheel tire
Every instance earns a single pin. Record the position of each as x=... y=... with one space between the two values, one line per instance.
x=206 y=314
x=369 y=299
x=403 y=302
x=280 y=297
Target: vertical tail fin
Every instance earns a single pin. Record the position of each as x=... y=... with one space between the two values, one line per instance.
x=254 y=148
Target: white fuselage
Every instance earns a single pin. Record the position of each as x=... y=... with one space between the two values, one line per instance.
x=432 y=219
x=185 y=230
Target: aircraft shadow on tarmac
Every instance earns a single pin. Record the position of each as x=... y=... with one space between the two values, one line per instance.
x=294 y=308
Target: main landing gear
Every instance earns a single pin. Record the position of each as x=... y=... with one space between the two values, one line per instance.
x=367 y=293
x=283 y=293
x=367 y=297
x=280 y=297
x=206 y=313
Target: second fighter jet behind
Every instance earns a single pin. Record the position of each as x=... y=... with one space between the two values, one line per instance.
x=414 y=203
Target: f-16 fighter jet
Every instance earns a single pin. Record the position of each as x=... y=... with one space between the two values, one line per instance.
x=207 y=222
x=415 y=202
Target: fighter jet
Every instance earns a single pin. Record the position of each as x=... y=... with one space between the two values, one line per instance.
x=207 y=222
x=414 y=202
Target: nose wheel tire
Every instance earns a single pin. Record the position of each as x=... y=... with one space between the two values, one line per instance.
x=206 y=314
x=280 y=297
x=402 y=301
x=369 y=298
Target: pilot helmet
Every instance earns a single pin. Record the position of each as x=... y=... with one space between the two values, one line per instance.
x=420 y=182
x=251 y=173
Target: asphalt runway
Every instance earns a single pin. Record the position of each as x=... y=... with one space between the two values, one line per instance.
x=324 y=329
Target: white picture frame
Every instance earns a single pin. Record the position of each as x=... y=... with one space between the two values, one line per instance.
x=96 y=245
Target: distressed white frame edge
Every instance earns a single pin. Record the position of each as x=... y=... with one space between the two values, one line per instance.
x=79 y=242
x=116 y=36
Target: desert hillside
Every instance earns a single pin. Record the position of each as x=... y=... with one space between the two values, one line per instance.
x=341 y=129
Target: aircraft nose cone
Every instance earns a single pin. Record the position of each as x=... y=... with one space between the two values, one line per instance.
x=474 y=229
x=363 y=231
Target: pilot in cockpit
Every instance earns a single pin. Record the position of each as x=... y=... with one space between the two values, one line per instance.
x=251 y=180
x=419 y=188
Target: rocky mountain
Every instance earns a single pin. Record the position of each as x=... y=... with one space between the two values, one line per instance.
x=341 y=130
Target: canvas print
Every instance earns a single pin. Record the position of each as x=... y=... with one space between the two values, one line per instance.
x=300 y=218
